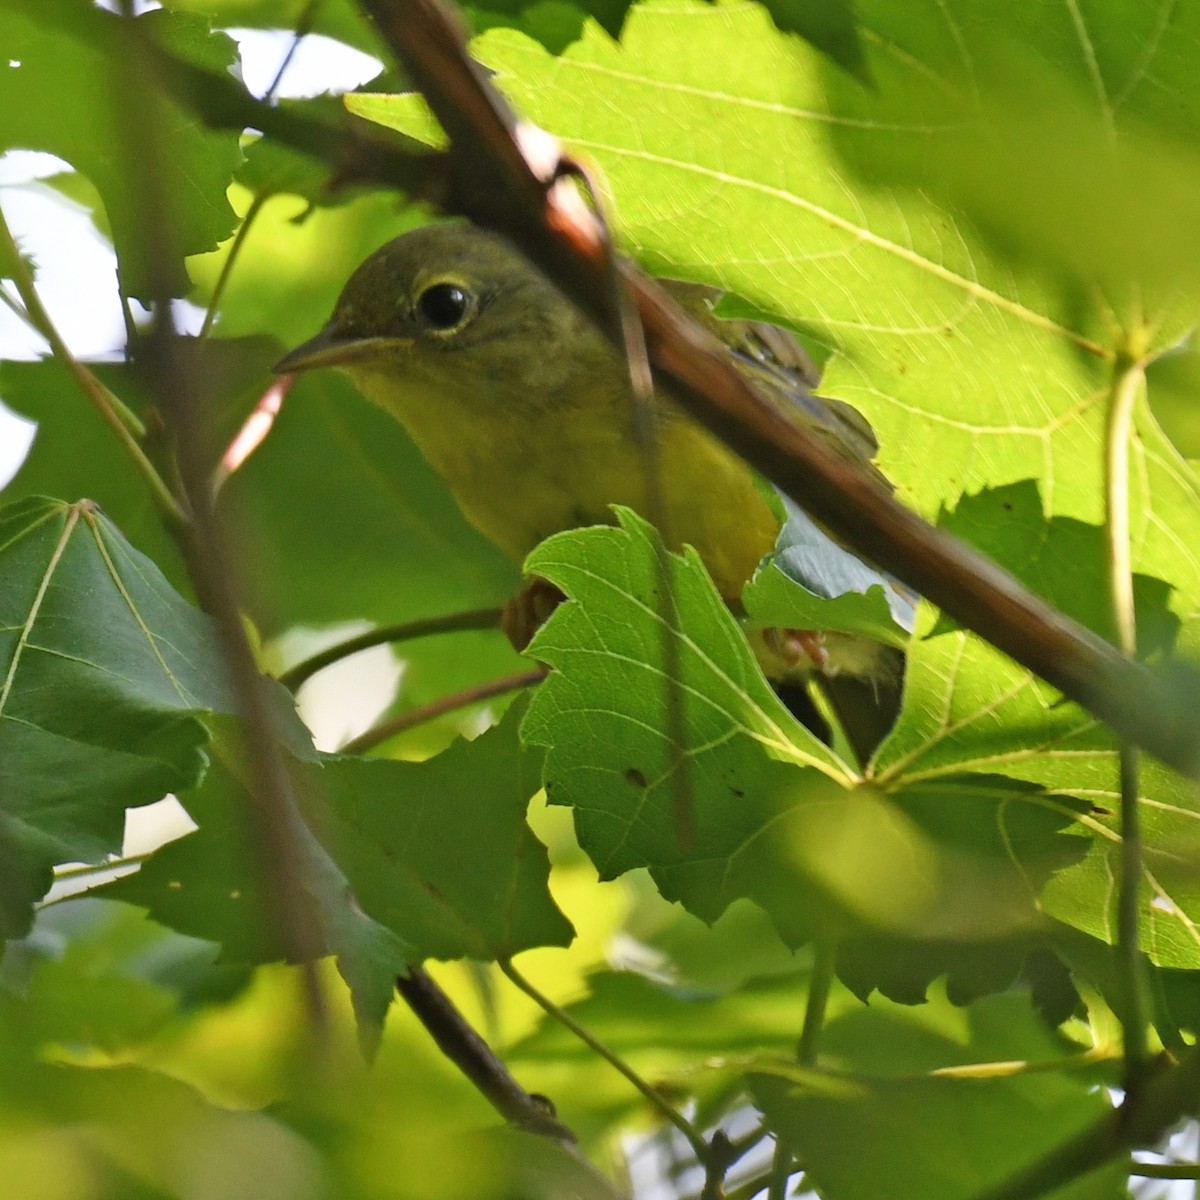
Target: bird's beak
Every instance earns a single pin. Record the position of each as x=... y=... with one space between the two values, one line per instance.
x=332 y=347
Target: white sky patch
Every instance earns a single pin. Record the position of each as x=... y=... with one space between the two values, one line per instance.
x=319 y=65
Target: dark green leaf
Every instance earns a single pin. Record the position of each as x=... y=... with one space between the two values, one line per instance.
x=214 y=884
x=439 y=851
x=104 y=669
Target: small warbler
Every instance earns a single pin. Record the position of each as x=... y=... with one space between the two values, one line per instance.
x=524 y=408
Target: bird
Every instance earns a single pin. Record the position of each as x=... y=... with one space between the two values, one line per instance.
x=525 y=410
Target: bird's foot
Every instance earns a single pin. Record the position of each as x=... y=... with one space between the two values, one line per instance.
x=798 y=649
x=528 y=611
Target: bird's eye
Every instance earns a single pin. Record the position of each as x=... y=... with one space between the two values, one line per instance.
x=443 y=306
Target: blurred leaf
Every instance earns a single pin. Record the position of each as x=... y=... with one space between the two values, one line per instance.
x=342 y=20
x=93 y=1121
x=667 y=944
x=929 y=1136
x=1173 y=381
x=830 y=26
x=1067 y=135
x=213 y=884
x=63 y=96
x=102 y=940
x=555 y=25
x=105 y=670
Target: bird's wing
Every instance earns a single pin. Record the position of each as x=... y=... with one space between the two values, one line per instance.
x=786 y=375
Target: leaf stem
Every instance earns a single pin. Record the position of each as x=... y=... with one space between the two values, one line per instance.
x=824 y=964
x=781 y=1170
x=1165 y=1170
x=819 y=984
x=694 y=1137
x=437 y=708
x=124 y=422
x=475 y=618
x=110 y=864
x=1127 y=382
x=300 y=30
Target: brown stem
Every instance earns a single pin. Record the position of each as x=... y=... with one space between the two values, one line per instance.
x=437 y=708
x=475 y=1058
x=476 y=618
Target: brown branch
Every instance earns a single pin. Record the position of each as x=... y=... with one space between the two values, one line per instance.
x=380 y=733
x=476 y=618
x=475 y=1058
x=178 y=396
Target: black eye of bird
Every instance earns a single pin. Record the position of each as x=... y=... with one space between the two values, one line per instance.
x=443 y=305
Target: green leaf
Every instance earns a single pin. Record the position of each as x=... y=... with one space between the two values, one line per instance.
x=602 y=714
x=439 y=851
x=64 y=96
x=763 y=810
x=969 y=709
x=103 y=671
x=1107 y=186
x=338 y=492
x=214 y=884
x=409 y=861
x=930 y=1137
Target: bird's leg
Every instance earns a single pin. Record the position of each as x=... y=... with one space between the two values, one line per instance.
x=797 y=648
x=528 y=611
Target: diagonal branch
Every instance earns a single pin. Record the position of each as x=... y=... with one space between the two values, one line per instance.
x=506 y=174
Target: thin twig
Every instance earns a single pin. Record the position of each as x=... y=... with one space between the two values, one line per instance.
x=819 y=984
x=301 y=29
x=455 y=1038
x=1127 y=383
x=475 y=1058
x=781 y=1170
x=694 y=1137
x=476 y=618
x=239 y=240
x=427 y=712
x=1147 y=1170
x=176 y=391
x=122 y=420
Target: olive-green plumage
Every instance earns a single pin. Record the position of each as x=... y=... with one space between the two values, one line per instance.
x=525 y=410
